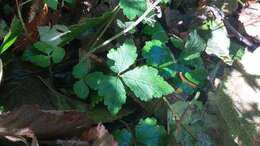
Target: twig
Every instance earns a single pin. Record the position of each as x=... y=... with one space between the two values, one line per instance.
x=220 y=15
x=21 y=19
x=252 y=46
x=133 y=25
x=23 y=3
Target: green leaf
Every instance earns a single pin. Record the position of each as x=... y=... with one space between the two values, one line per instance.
x=52 y=35
x=113 y=91
x=123 y=137
x=41 y=60
x=157 y=32
x=122 y=58
x=133 y=8
x=197 y=76
x=43 y=47
x=94 y=79
x=157 y=53
x=149 y=133
x=10 y=38
x=236 y=51
x=52 y=3
x=194 y=46
x=191 y=54
x=81 y=89
x=80 y=70
x=58 y=54
x=146 y=83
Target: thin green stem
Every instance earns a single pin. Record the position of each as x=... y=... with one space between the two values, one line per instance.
x=133 y=25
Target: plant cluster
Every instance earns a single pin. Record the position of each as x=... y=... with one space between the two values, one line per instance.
x=146 y=64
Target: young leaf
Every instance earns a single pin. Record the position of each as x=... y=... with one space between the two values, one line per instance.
x=81 y=89
x=156 y=53
x=123 y=137
x=52 y=3
x=122 y=58
x=58 y=54
x=113 y=91
x=94 y=79
x=149 y=133
x=41 y=60
x=146 y=83
x=133 y=8
x=80 y=70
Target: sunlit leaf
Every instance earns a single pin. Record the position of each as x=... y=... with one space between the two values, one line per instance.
x=133 y=8
x=122 y=58
x=146 y=83
x=157 y=53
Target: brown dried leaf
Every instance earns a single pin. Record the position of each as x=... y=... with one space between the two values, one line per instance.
x=100 y=136
x=45 y=124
